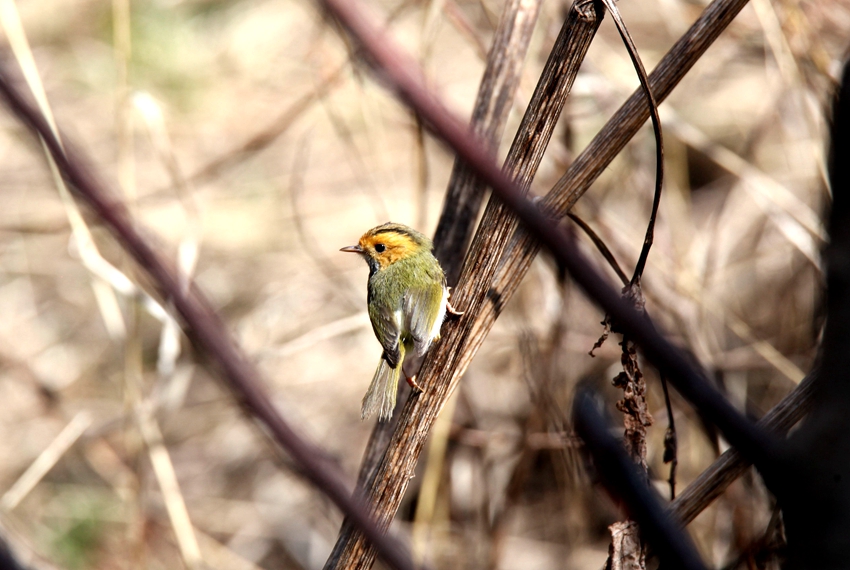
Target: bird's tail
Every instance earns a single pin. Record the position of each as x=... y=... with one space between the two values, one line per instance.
x=380 y=397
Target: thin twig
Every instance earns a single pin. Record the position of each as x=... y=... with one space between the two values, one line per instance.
x=670 y=440
x=656 y=128
x=600 y=245
x=172 y=496
x=45 y=461
x=263 y=139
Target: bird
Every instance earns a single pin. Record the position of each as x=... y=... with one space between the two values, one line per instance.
x=408 y=299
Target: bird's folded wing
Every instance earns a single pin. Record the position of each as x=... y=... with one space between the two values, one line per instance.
x=422 y=307
x=385 y=323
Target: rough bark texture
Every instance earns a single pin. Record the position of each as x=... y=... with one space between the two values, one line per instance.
x=465 y=191
x=626 y=551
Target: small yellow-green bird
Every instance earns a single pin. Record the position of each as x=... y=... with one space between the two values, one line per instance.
x=408 y=299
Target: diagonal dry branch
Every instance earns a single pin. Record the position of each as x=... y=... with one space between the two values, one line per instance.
x=201 y=324
x=713 y=481
x=465 y=192
x=463 y=199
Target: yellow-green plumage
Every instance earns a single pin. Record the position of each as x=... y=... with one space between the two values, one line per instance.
x=407 y=297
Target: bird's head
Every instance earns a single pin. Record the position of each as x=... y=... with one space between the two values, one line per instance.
x=384 y=245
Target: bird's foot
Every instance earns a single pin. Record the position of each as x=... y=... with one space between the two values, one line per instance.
x=412 y=381
x=452 y=311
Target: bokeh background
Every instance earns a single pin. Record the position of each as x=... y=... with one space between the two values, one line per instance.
x=251 y=150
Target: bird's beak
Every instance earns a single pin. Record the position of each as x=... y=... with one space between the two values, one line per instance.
x=352 y=249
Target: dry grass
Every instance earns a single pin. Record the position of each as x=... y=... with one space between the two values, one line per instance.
x=116 y=451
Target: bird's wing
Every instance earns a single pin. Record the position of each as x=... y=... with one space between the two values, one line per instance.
x=424 y=307
x=385 y=323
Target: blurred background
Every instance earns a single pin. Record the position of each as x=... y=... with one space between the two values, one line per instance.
x=251 y=150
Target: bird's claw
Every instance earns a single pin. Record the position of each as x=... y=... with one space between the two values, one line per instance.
x=452 y=311
x=412 y=381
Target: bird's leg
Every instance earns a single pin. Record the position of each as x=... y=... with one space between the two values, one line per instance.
x=414 y=362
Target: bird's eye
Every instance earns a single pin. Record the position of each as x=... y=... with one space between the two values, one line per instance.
x=380 y=248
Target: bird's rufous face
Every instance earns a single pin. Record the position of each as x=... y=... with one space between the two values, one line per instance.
x=385 y=245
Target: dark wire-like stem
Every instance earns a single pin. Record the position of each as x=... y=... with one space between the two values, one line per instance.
x=656 y=128
x=601 y=246
x=670 y=440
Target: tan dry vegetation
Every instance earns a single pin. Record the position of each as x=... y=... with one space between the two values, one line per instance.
x=733 y=275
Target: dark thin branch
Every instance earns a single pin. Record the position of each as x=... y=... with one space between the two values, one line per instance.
x=659 y=139
x=202 y=325
x=671 y=447
x=625 y=481
x=600 y=245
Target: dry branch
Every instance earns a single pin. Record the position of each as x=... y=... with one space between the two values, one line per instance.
x=440 y=372
x=713 y=481
x=464 y=195
x=465 y=191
